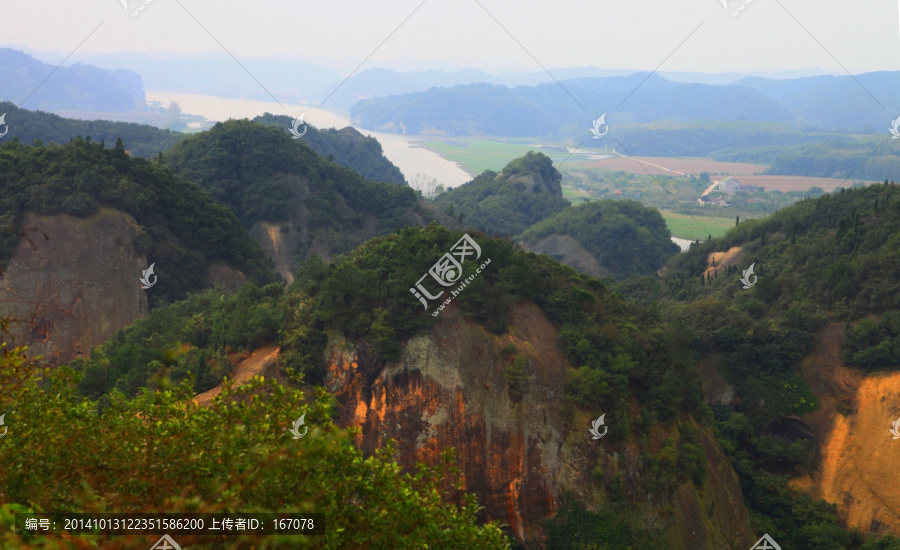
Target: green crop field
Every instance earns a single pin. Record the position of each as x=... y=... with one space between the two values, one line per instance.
x=696 y=227
x=476 y=155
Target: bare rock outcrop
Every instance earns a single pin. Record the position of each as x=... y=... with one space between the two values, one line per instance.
x=521 y=458
x=72 y=283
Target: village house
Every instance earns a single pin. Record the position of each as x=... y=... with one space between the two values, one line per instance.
x=732 y=185
x=714 y=201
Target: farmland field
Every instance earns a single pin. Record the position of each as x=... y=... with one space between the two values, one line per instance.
x=795 y=183
x=475 y=155
x=677 y=165
x=696 y=227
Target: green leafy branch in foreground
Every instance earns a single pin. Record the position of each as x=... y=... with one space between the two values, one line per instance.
x=160 y=452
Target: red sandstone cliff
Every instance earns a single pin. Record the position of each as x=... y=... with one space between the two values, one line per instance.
x=520 y=459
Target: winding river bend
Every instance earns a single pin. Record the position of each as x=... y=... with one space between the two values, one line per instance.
x=399 y=149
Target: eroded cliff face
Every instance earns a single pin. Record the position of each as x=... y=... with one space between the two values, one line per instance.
x=859 y=467
x=521 y=459
x=72 y=283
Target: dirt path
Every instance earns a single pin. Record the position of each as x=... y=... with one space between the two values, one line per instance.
x=651 y=164
x=710 y=188
x=246 y=369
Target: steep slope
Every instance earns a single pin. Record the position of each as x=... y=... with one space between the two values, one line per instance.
x=82 y=222
x=511 y=374
x=293 y=201
x=801 y=360
x=72 y=283
x=526 y=191
x=858 y=453
x=616 y=238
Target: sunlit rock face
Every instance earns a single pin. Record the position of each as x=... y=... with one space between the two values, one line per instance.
x=520 y=458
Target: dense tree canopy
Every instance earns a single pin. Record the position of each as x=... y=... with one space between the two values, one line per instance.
x=256 y=169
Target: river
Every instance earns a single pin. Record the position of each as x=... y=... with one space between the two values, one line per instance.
x=402 y=150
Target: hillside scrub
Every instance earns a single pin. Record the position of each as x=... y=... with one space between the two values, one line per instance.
x=181 y=225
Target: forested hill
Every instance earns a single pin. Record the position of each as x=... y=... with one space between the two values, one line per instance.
x=624 y=237
x=181 y=225
x=822 y=103
x=786 y=352
x=347 y=147
x=249 y=167
x=523 y=325
x=547 y=110
x=526 y=191
x=139 y=139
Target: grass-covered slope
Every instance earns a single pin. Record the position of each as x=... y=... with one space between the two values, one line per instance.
x=525 y=192
x=140 y=140
x=624 y=236
x=181 y=224
x=347 y=147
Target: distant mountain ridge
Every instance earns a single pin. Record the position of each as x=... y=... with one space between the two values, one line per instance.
x=76 y=87
x=825 y=102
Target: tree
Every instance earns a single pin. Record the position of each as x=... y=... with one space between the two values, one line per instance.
x=162 y=453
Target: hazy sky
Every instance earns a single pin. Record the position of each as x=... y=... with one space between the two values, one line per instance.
x=769 y=35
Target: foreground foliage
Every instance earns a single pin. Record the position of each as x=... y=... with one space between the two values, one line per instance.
x=159 y=452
